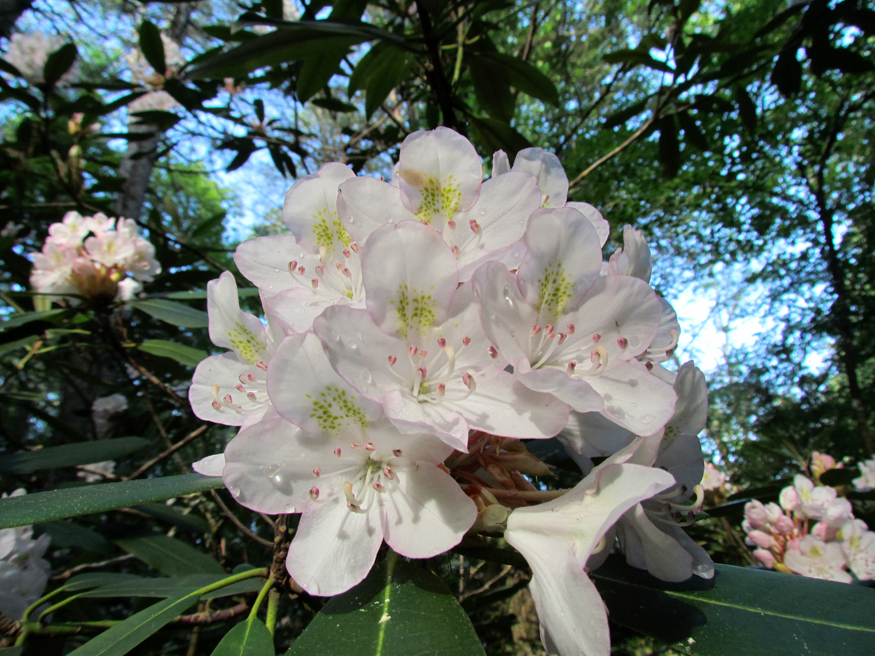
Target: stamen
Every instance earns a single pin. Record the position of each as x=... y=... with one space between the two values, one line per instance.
x=475 y=227
x=493 y=353
x=355 y=248
x=378 y=486
x=337 y=451
x=413 y=350
x=314 y=493
x=387 y=472
x=369 y=447
x=570 y=328
x=396 y=453
x=562 y=338
x=354 y=445
x=351 y=501
x=423 y=354
x=317 y=472
x=292 y=266
x=466 y=340
x=346 y=272
x=261 y=364
x=441 y=390
x=251 y=396
x=240 y=389
x=535 y=330
x=346 y=253
x=314 y=283
x=571 y=367
x=227 y=399
x=320 y=270
x=622 y=342
x=456 y=250
x=596 y=337
x=441 y=342
x=301 y=269
x=392 y=360
x=451 y=224
x=549 y=332
x=468 y=380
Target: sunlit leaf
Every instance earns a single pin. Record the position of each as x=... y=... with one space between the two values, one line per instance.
x=152 y=46
x=173 y=313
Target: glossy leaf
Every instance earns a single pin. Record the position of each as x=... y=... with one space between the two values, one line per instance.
x=401 y=608
x=68 y=455
x=378 y=72
x=747 y=109
x=333 y=105
x=71 y=502
x=492 y=88
x=170 y=556
x=98 y=579
x=152 y=46
x=669 y=147
x=173 y=313
x=123 y=637
x=787 y=74
x=170 y=515
x=249 y=638
x=316 y=73
x=70 y=534
x=16 y=320
x=741 y=611
x=620 y=117
x=184 y=354
x=494 y=135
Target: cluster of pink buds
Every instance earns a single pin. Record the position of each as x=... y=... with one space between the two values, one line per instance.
x=812 y=532
x=99 y=258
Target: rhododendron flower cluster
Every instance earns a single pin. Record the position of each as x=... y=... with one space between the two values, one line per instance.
x=812 y=532
x=100 y=258
x=23 y=571
x=416 y=332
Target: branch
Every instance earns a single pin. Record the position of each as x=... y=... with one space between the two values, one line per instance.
x=246 y=530
x=169 y=452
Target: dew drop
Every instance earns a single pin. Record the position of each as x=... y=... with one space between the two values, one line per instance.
x=482 y=211
x=646 y=419
x=367 y=378
x=271 y=470
x=353 y=346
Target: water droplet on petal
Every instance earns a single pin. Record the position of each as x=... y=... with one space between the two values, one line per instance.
x=367 y=378
x=271 y=470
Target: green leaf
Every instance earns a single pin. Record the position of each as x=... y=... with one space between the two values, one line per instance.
x=179 y=352
x=20 y=319
x=525 y=77
x=747 y=109
x=316 y=73
x=170 y=515
x=171 y=586
x=636 y=57
x=152 y=46
x=197 y=294
x=173 y=313
x=399 y=609
x=491 y=86
x=692 y=133
x=71 y=534
x=249 y=638
x=620 y=117
x=742 y=611
x=378 y=72
x=170 y=556
x=97 y=579
x=68 y=455
x=71 y=502
x=58 y=63
x=839 y=476
x=123 y=637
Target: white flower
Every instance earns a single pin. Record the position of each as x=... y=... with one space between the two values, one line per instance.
x=231 y=388
x=816 y=559
x=558 y=538
x=23 y=572
x=571 y=333
x=865 y=482
x=858 y=544
x=102 y=411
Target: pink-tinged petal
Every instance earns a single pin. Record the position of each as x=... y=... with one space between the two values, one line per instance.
x=414 y=447
x=269 y=466
x=216 y=379
x=439 y=174
x=297 y=309
x=310 y=209
x=410 y=277
x=360 y=352
x=499 y=218
x=410 y=416
x=500 y=163
x=646 y=547
x=634 y=258
x=428 y=514
x=619 y=314
x=366 y=204
x=602 y=227
x=548 y=170
x=267 y=262
x=593 y=435
x=578 y=394
x=634 y=398
x=691 y=411
x=682 y=458
x=306 y=391
x=333 y=548
x=502 y=405
x=562 y=262
x=210 y=466
x=232 y=328
x=507 y=317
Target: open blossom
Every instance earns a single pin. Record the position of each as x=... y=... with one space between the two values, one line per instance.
x=866 y=481
x=100 y=258
x=231 y=388
x=23 y=571
x=558 y=538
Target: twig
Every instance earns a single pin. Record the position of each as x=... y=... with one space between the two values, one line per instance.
x=247 y=531
x=173 y=449
x=212 y=617
x=488 y=584
x=163 y=431
x=64 y=576
x=615 y=151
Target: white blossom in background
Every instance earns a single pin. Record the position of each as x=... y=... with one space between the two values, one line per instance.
x=142 y=72
x=377 y=399
x=23 y=571
x=866 y=481
x=28 y=52
x=97 y=471
x=104 y=411
x=98 y=257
